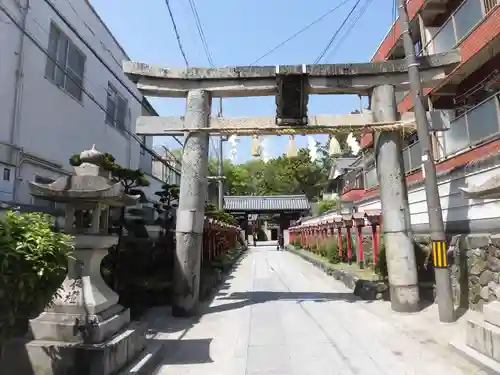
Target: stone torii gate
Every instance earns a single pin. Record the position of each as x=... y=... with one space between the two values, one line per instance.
x=291 y=84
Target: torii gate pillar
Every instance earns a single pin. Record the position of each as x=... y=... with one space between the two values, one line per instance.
x=398 y=239
x=191 y=211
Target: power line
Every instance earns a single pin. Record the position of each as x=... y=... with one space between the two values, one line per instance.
x=78 y=84
x=99 y=58
x=201 y=33
x=179 y=43
x=351 y=27
x=322 y=54
x=300 y=31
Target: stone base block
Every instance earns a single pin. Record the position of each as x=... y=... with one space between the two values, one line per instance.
x=483 y=337
x=51 y=326
x=491 y=313
x=39 y=357
x=485 y=363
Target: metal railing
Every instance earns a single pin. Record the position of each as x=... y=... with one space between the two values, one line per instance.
x=461 y=22
x=412 y=156
x=490 y=4
x=371 y=179
x=474 y=126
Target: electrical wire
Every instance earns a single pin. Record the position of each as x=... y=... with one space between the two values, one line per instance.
x=299 y=32
x=358 y=16
x=201 y=33
x=99 y=58
x=394 y=19
x=78 y=84
x=332 y=39
x=177 y=35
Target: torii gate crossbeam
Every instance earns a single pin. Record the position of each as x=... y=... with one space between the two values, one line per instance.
x=356 y=78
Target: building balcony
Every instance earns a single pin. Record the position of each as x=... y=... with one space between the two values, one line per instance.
x=477 y=125
x=460 y=24
x=468 y=133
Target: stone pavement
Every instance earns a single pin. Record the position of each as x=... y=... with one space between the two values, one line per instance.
x=277 y=315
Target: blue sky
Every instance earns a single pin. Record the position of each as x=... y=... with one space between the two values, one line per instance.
x=238 y=32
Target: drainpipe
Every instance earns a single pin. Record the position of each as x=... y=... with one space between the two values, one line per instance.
x=18 y=89
x=18 y=98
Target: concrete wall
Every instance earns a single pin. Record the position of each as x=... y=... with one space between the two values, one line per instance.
x=52 y=125
x=456 y=208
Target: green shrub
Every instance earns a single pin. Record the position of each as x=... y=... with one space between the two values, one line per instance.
x=33 y=263
x=381 y=267
x=332 y=251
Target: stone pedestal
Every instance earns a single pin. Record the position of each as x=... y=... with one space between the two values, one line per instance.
x=482 y=338
x=44 y=357
x=85 y=331
x=85 y=309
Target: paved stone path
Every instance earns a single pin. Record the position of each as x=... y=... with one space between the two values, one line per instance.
x=279 y=315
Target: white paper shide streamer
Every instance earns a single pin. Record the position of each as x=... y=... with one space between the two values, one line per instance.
x=292 y=147
x=313 y=148
x=233 y=141
x=353 y=144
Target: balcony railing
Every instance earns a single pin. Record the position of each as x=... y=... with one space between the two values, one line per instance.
x=461 y=23
x=412 y=156
x=371 y=179
x=474 y=126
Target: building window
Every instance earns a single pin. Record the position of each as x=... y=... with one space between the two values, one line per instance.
x=143 y=144
x=116 y=109
x=6 y=174
x=69 y=70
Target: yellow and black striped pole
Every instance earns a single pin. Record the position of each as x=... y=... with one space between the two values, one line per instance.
x=439 y=254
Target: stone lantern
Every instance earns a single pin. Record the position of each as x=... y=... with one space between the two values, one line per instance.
x=85 y=317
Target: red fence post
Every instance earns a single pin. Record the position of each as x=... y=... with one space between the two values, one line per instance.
x=348 y=225
x=375 y=218
x=359 y=220
x=375 y=244
x=360 y=247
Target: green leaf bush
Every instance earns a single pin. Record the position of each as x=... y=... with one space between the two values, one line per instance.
x=33 y=264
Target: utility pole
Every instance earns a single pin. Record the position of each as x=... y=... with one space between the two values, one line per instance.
x=220 y=175
x=220 y=180
x=438 y=238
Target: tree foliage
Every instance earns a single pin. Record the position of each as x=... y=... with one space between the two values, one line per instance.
x=167 y=196
x=130 y=178
x=213 y=213
x=33 y=263
x=281 y=175
x=326 y=205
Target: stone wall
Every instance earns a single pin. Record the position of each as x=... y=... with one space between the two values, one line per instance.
x=475 y=270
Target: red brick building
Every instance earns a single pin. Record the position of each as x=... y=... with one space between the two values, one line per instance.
x=469 y=96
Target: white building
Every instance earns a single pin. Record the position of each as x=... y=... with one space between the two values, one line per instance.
x=45 y=115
